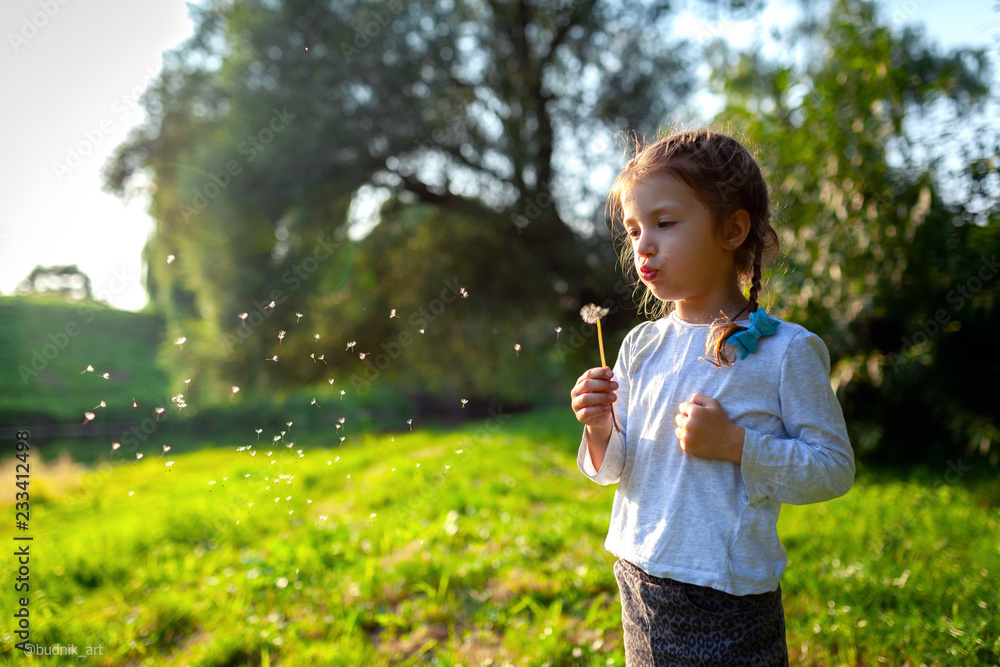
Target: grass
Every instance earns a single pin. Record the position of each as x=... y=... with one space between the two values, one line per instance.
x=47 y=343
x=481 y=545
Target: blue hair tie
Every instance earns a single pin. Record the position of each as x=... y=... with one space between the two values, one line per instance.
x=761 y=324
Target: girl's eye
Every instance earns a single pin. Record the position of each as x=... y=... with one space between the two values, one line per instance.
x=633 y=233
x=665 y=223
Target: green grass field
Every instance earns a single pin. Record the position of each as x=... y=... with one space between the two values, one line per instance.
x=476 y=546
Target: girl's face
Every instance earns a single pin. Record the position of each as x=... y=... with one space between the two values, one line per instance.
x=679 y=253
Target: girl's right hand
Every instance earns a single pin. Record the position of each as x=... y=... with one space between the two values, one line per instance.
x=592 y=397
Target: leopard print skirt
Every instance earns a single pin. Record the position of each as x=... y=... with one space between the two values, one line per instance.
x=668 y=622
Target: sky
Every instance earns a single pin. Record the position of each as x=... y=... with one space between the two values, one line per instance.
x=73 y=70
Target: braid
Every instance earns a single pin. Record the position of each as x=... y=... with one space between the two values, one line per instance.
x=755 y=281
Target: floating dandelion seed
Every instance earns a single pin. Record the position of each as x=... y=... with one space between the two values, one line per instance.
x=169 y=463
x=558 y=331
x=88 y=417
x=115 y=445
x=315 y=403
x=463 y=293
x=138 y=456
x=275 y=439
x=459 y=451
x=281 y=335
x=135 y=406
x=322 y=517
x=166 y=448
x=420 y=330
x=322 y=358
x=289 y=425
x=270 y=305
x=180 y=341
x=362 y=355
x=517 y=349
x=188 y=381
x=212 y=483
x=130 y=493
x=464 y=401
x=246 y=475
x=160 y=410
x=106 y=376
x=330 y=381
x=102 y=404
x=170 y=259
x=374 y=514
x=351 y=344
x=274 y=358
x=342 y=394
x=236 y=389
x=592 y=314
x=392 y=313
x=342 y=420
x=298 y=316
x=410 y=423
x=316 y=336
x=342 y=438
x=243 y=316
x=88 y=369
x=258 y=430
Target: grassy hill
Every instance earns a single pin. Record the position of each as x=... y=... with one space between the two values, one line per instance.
x=476 y=546
x=48 y=344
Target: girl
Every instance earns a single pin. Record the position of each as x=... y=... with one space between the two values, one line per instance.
x=725 y=413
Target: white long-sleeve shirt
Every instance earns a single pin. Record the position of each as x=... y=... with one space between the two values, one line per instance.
x=708 y=522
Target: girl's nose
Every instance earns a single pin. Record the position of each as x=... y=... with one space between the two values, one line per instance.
x=645 y=247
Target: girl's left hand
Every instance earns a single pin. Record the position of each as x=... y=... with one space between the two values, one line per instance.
x=704 y=430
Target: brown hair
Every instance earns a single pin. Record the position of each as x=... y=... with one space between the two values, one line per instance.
x=726 y=178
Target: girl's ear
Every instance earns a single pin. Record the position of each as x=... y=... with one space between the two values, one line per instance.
x=735 y=229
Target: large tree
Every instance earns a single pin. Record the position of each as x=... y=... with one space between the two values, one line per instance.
x=279 y=124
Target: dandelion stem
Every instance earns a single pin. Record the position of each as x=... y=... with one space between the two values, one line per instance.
x=600 y=342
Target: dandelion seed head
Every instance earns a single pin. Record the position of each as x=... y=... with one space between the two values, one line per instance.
x=342 y=394
x=392 y=313
x=236 y=389
x=181 y=340
x=166 y=448
x=351 y=344
x=463 y=293
x=170 y=259
x=464 y=401
x=106 y=376
x=271 y=305
x=591 y=313
x=160 y=409
x=274 y=358
x=115 y=445
x=88 y=369
x=138 y=456
x=362 y=355
x=298 y=316
x=88 y=416
x=243 y=316
x=102 y=404
x=331 y=381
x=281 y=335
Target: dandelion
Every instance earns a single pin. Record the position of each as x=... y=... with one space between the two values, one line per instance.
x=322 y=358
x=464 y=401
x=289 y=425
x=315 y=403
x=558 y=331
x=169 y=463
x=281 y=335
x=463 y=293
x=170 y=259
x=316 y=336
x=106 y=376
x=88 y=369
x=159 y=410
x=115 y=445
x=517 y=349
x=270 y=305
x=243 y=316
x=258 y=430
x=420 y=330
x=330 y=381
x=342 y=394
x=592 y=314
x=188 y=381
x=274 y=358
x=410 y=423
x=392 y=313
x=342 y=438
x=180 y=341
x=373 y=515
x=362 y=355
x=212 y=483
x=138 y=456
x=459 y=451
x=102 y=404
x=298 y=316
x=88 y=417
x=351 y=344
x=135 y=405
x=236 y=389
x=166 y=448
x=342 y=420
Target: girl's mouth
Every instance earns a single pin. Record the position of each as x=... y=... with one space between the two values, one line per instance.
x=647 y=273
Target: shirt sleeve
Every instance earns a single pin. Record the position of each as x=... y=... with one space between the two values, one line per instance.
x=815 y=462
x=614 y=457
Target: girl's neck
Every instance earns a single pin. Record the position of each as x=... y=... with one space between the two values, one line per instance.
x=706 y=312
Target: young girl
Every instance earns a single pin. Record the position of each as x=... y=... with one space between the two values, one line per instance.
x=725 y=412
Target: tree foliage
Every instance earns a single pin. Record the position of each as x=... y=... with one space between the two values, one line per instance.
x=863 y=143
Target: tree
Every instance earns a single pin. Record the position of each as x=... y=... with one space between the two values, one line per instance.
x=268 y=126
x=876 y=258
x=68 y=281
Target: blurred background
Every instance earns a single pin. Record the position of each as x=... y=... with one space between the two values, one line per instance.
x=419 y=188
